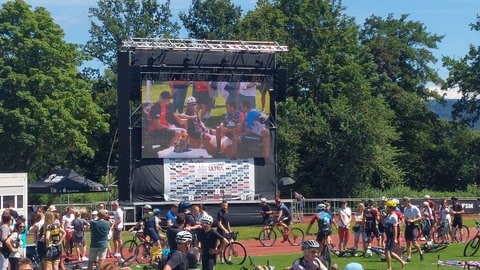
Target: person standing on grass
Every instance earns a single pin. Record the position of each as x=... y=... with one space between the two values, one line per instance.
x=344 y=218
x=457 y=222
x=117 y=228
x=78 y=239
x=391 y=231
x=412 y=218
x=359 y=227
x=99 y=229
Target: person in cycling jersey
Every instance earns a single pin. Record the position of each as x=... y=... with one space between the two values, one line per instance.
x=371 y=218
x=211 y=242
x=283 y=216
x=391 y=231
x=309 y=260
x=177 y=259
x=324 y=220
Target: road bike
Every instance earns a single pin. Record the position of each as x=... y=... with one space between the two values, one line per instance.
x=457 y=235
x=473 y=245
x=136 y=249
x=461 y=235
x=234 y=252
x=268 y=235
x=430 y=246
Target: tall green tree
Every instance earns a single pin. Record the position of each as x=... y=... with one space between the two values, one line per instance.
x=211 y=19
x=401 y=50
x=464 y=75
x=334 y=135
x=114 y=21
x=47 y=115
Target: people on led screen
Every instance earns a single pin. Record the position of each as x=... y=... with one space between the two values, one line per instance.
x=162 y=124
x=179 y=93
x=201 y=92
x=240 y=130
x=254 y=128
x=228 y=132
x=199 y=135
x=247 y=91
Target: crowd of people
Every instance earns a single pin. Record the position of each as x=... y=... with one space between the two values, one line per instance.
x=168 y=122
x=384 y=224
x=193 y=237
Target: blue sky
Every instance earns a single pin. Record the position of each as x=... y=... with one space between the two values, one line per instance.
x=444 y=17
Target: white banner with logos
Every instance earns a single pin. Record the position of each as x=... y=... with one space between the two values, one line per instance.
x=209 y=179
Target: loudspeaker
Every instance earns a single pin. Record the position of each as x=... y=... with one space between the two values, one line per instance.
x=280 y=84
x=135 y=82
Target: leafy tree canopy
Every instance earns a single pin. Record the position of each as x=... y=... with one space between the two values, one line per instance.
x=47 y=115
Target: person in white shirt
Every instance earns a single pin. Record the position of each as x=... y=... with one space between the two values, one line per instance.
x=412 y=218
x=344 y=218
x=68 y=228
x=117 y=228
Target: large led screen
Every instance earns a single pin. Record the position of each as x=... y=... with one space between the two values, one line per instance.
x=205 y=119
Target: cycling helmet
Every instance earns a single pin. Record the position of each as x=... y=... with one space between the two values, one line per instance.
x=207 y=219
x=182 y=206
x=191 y=100
x=183 y=237
x=370 y=202
x=147 y=206
x=308 y=244
x=453 y=198
x=321 y=206
x=391 y=203
x=156 y=211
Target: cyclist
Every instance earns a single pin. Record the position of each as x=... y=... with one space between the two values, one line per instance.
x=456 y=211
x=391 y=231
x=324 y=221
x=266 y=213
x=283 y=217
x=382 y=210
x=209 y=241
x=310 y=260
x=151 y=226
x=371 y=218
x=177 y=259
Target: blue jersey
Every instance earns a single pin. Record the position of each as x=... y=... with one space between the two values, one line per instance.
x=325 y=220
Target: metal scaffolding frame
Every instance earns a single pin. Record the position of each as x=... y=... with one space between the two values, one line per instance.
x=202 y=45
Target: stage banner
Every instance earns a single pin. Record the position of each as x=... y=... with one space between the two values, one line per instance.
x=209 y=179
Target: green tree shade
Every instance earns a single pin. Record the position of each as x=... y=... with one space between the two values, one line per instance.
x=114 y=21
x=211 y=19
x=401 y=51
x=334 y=136
x=47 y=114
x=464 y=75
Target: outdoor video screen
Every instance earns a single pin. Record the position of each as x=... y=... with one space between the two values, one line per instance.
x=205 y=119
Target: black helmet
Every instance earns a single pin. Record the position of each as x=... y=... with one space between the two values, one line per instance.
x=453 y=198
x=183 y=205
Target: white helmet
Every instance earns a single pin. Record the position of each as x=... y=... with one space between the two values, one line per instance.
x=308 y=244
x=321 y=206
x=207 y=219
x=183 y=237
x=191 y=100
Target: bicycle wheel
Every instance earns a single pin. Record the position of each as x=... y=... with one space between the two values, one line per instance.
x=471 y=247
x=462 y=234
x=325 y=255
x=296 y=236
x=235 y=253
x=142 y=253
x=267 y=237
x=128 y=249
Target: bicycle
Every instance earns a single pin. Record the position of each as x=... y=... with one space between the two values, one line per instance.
x=234 y=252
x=473 y=245
x=347 y=253
x=430 y=247
x=461 y=235
x=136 y=249
x=268 y=236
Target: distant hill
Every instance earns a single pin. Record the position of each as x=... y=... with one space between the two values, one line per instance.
x=445 y=110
